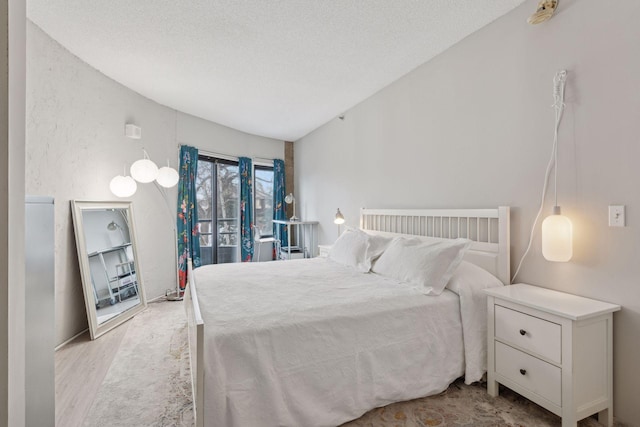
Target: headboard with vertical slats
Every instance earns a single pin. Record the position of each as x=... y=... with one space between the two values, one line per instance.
x=488 y=229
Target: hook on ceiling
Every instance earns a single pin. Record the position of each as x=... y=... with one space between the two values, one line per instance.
x=546 y=9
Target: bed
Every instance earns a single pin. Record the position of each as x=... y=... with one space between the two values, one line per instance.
x=318 y=343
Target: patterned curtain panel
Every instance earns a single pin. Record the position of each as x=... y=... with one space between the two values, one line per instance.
x=187 y=221
x=279 y=207
x=246 y=209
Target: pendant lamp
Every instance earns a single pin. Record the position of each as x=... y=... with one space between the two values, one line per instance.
x=557 y=237
x=557 y=230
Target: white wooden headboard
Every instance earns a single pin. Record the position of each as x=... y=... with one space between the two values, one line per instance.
x=488 y=229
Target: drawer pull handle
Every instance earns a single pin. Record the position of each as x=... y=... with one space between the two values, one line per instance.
x=523 y=332
x=523 y=371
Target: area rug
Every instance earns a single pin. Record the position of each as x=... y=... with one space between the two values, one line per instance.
x=465 y=405
x=148 y=383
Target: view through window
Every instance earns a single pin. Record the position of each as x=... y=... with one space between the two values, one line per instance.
x=217 y=194
x=263 y=200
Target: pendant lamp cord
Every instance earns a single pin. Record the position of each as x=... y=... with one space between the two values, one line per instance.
x=558 y=105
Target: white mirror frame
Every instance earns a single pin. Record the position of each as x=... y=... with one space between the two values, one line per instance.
x=78 y=207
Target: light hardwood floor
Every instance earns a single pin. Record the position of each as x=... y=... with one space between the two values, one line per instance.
x=81 y=367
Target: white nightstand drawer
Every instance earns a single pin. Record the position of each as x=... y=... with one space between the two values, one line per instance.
x=528 y=332
x=540 y=377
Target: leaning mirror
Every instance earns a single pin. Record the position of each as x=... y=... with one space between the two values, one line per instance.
x=109 y=263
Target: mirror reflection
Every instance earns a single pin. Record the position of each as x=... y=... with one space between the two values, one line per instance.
x=111 y=262
x=107 y=255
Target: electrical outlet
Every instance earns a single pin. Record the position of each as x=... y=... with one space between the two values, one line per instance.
x=616 y=216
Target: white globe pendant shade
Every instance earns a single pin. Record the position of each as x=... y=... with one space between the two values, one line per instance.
x=557 y=238
x=167 y=177
x=123 y=186
x=144 y=170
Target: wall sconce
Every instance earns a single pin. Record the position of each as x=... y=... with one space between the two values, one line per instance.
x=339 y=219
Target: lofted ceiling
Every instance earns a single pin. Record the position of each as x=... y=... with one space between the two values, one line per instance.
x=275 y=68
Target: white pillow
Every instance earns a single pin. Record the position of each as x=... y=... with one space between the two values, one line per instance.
x=470 y=277
x=428 y=266
x=377 y=245
x=351 y=249
x=468 y=281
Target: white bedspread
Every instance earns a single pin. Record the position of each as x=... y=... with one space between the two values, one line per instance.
x=313 y=343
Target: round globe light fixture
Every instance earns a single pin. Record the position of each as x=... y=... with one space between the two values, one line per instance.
x=123 y=186
x=144 y=170
x=167 y=177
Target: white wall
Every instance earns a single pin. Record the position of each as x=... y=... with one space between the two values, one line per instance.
x=215 y=138
x=474 y=128
x=76 y=144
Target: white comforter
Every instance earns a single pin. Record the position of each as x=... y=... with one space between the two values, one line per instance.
x=313 y=343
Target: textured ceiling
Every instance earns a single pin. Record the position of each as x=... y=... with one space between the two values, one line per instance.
x=276 y=68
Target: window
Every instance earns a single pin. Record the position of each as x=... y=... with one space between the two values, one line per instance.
x=217 y=194
x=263 y=200
x=218 y=197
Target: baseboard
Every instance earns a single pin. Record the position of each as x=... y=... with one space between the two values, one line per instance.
x=71 y=339
x=158 y=298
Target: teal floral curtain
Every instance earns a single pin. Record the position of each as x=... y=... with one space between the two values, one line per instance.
x=279 y=206
x=246 y=209
x=187 y=220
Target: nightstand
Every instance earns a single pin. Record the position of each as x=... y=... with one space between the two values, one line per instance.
x=553 y=348
x=324 y=250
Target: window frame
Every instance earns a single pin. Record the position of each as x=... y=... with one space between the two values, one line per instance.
x=214 y=217
x=264 y=167
x=234 y=161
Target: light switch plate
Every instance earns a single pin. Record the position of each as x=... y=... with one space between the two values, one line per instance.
x=616 y=216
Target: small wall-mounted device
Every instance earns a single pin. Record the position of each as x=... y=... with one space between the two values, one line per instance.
x=616 y=216
x=132 y=131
